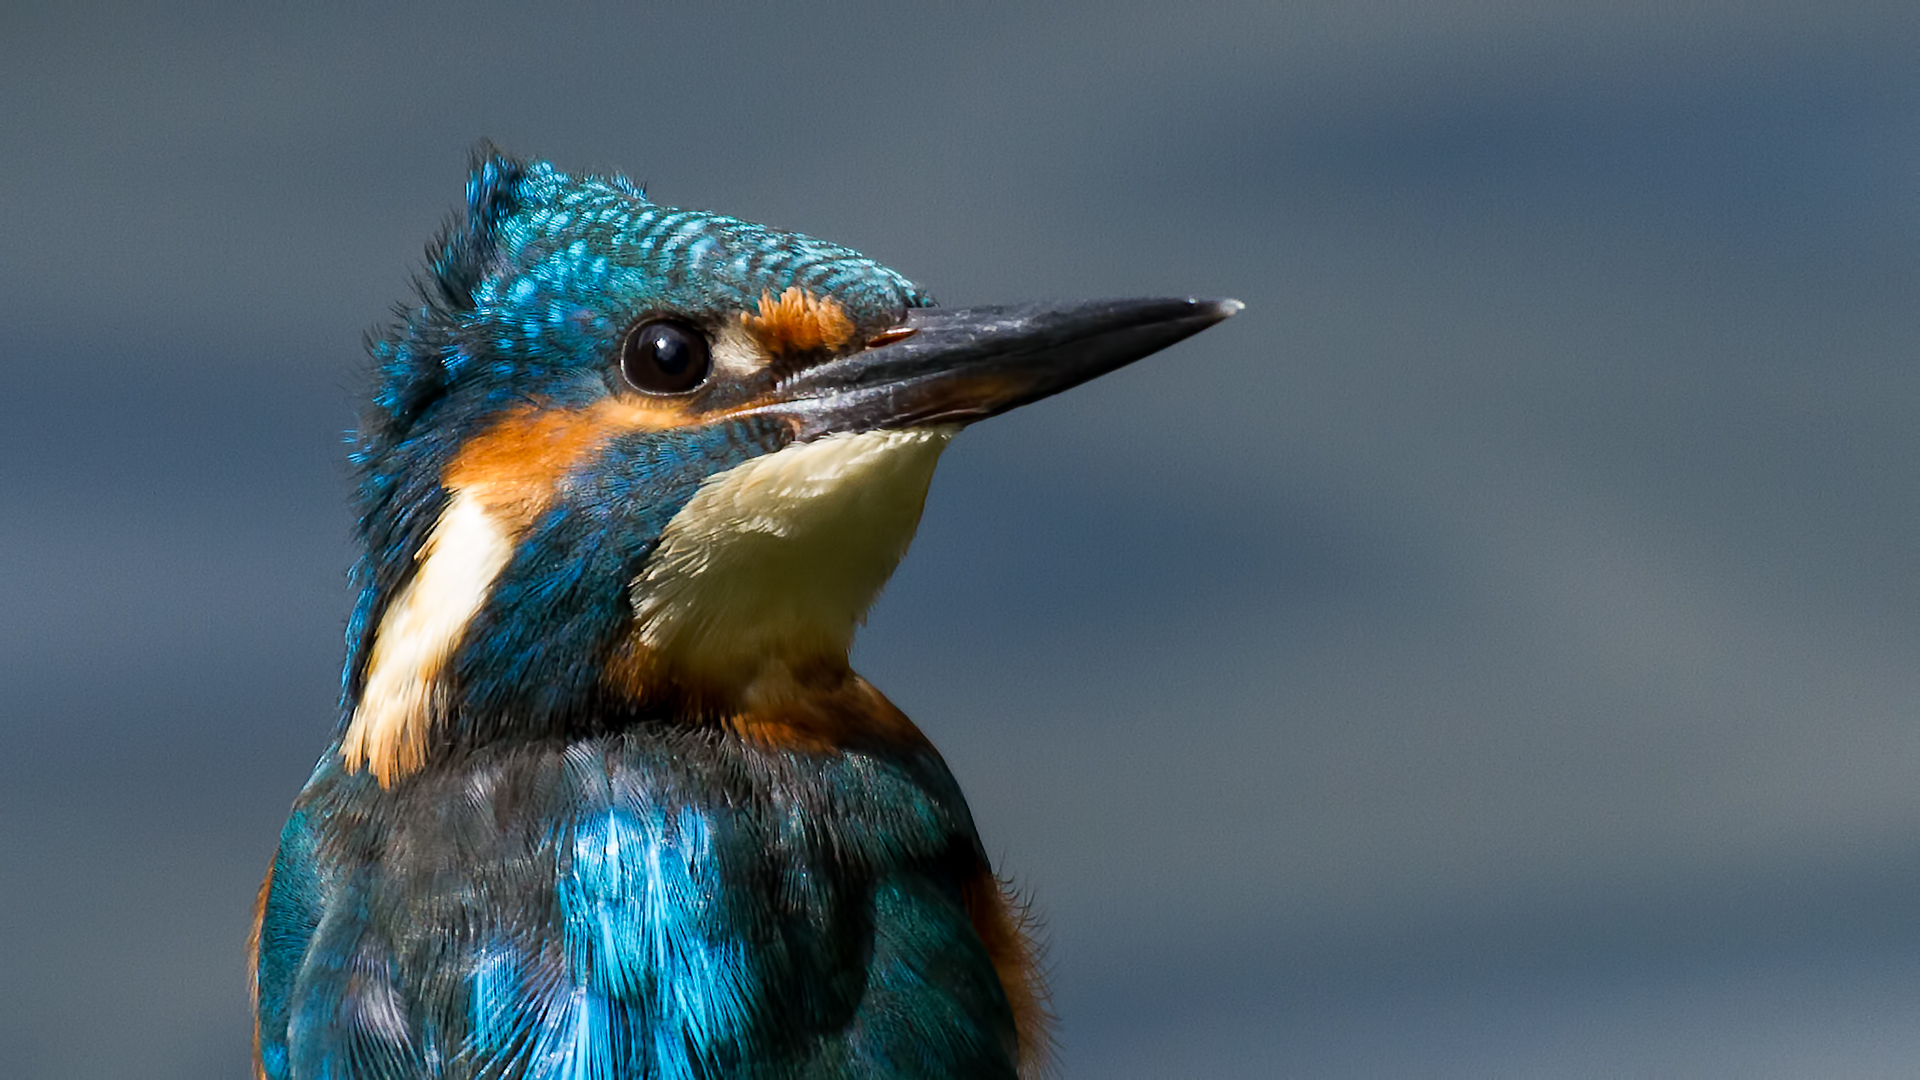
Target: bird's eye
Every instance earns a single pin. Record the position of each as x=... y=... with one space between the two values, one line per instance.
x=661 y=356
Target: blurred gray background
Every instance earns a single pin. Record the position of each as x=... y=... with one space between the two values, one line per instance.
x=1493 y=654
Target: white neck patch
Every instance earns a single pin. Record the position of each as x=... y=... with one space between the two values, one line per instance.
x=777 y=560
x=457 y=564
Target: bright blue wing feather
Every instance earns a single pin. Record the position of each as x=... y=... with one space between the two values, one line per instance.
x=659 y=905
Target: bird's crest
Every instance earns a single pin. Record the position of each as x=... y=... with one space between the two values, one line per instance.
x=462 y=256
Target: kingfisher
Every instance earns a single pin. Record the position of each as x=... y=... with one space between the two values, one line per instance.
x=606 y=801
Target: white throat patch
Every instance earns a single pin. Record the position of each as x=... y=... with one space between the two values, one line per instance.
x=777 y=560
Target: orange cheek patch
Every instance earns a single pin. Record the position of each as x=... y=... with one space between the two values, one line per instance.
x=516 y=464
x=499 y=484
x=799 y=321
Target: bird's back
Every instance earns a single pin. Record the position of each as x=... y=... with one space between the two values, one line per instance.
x=663 y=900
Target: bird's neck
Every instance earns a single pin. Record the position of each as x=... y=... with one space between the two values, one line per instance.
x=739 y=608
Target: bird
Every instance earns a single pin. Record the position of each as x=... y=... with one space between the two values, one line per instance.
x=606 y=799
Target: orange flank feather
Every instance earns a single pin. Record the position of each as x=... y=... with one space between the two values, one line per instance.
x=823 y=711
x=797 y=321
x=253 y=968
x=820 y=706
x=1006 y=927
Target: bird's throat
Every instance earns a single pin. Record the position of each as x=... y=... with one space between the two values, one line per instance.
x=772 y=564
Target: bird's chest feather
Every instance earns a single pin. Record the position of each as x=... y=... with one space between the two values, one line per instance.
x=645 y=904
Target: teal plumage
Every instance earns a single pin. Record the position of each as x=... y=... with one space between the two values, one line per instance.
x=655 y=903
x=606 y=801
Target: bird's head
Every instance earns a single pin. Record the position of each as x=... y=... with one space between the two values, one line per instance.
x=625 y=458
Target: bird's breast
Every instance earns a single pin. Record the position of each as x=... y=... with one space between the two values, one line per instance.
x=657 y=902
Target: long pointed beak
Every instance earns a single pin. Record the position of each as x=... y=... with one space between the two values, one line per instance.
x=959 y=365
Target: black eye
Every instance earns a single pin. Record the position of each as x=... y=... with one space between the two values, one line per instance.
x=661 y=356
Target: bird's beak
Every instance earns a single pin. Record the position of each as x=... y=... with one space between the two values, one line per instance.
x=958 y=365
